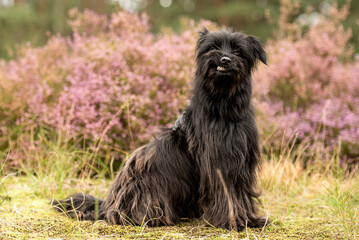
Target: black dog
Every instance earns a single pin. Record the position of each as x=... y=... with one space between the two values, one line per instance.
x=205 y=166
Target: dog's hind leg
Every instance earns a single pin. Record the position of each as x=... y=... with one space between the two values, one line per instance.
x=157 y=185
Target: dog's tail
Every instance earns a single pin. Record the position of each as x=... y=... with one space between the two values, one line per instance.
x=80 y=206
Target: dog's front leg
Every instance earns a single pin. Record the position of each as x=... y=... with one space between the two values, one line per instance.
x=229 y=202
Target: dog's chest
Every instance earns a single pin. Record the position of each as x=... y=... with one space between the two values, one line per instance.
x=226 y=138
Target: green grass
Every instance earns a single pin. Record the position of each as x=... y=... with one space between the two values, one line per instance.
x=317 y=202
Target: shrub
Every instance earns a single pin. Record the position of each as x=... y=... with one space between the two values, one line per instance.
x=108 y=87
x=311 y=86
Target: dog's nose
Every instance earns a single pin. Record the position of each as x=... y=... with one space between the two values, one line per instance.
x=225 y=60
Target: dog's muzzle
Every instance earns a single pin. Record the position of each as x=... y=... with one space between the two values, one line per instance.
x=225 y=62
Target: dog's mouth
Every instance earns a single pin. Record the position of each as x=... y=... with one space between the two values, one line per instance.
x=221 y=69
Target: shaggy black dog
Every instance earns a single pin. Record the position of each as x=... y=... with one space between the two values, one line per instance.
x=205 y=165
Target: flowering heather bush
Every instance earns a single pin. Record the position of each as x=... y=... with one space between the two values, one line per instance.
x=113 y=83
x=311 y=86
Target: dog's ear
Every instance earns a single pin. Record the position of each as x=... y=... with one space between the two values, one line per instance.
x=257 y=49
x=204 y=32
x=202 y=36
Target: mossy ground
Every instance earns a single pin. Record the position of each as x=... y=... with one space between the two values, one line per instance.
x=25 y=213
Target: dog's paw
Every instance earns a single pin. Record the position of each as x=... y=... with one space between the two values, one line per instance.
x=260 y=222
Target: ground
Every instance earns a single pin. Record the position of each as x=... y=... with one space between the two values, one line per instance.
x=300 y=204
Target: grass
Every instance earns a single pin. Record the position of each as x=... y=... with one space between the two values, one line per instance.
x=320 y=201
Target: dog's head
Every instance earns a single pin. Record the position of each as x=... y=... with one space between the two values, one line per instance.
x=226 y=56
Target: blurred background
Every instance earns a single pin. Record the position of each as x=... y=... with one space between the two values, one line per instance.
x=33 y=20
x=101 y=79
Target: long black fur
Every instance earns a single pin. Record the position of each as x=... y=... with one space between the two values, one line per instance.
x=205 y=165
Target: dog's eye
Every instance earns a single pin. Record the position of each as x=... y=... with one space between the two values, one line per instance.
x=236 y=52
x=212 y=49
